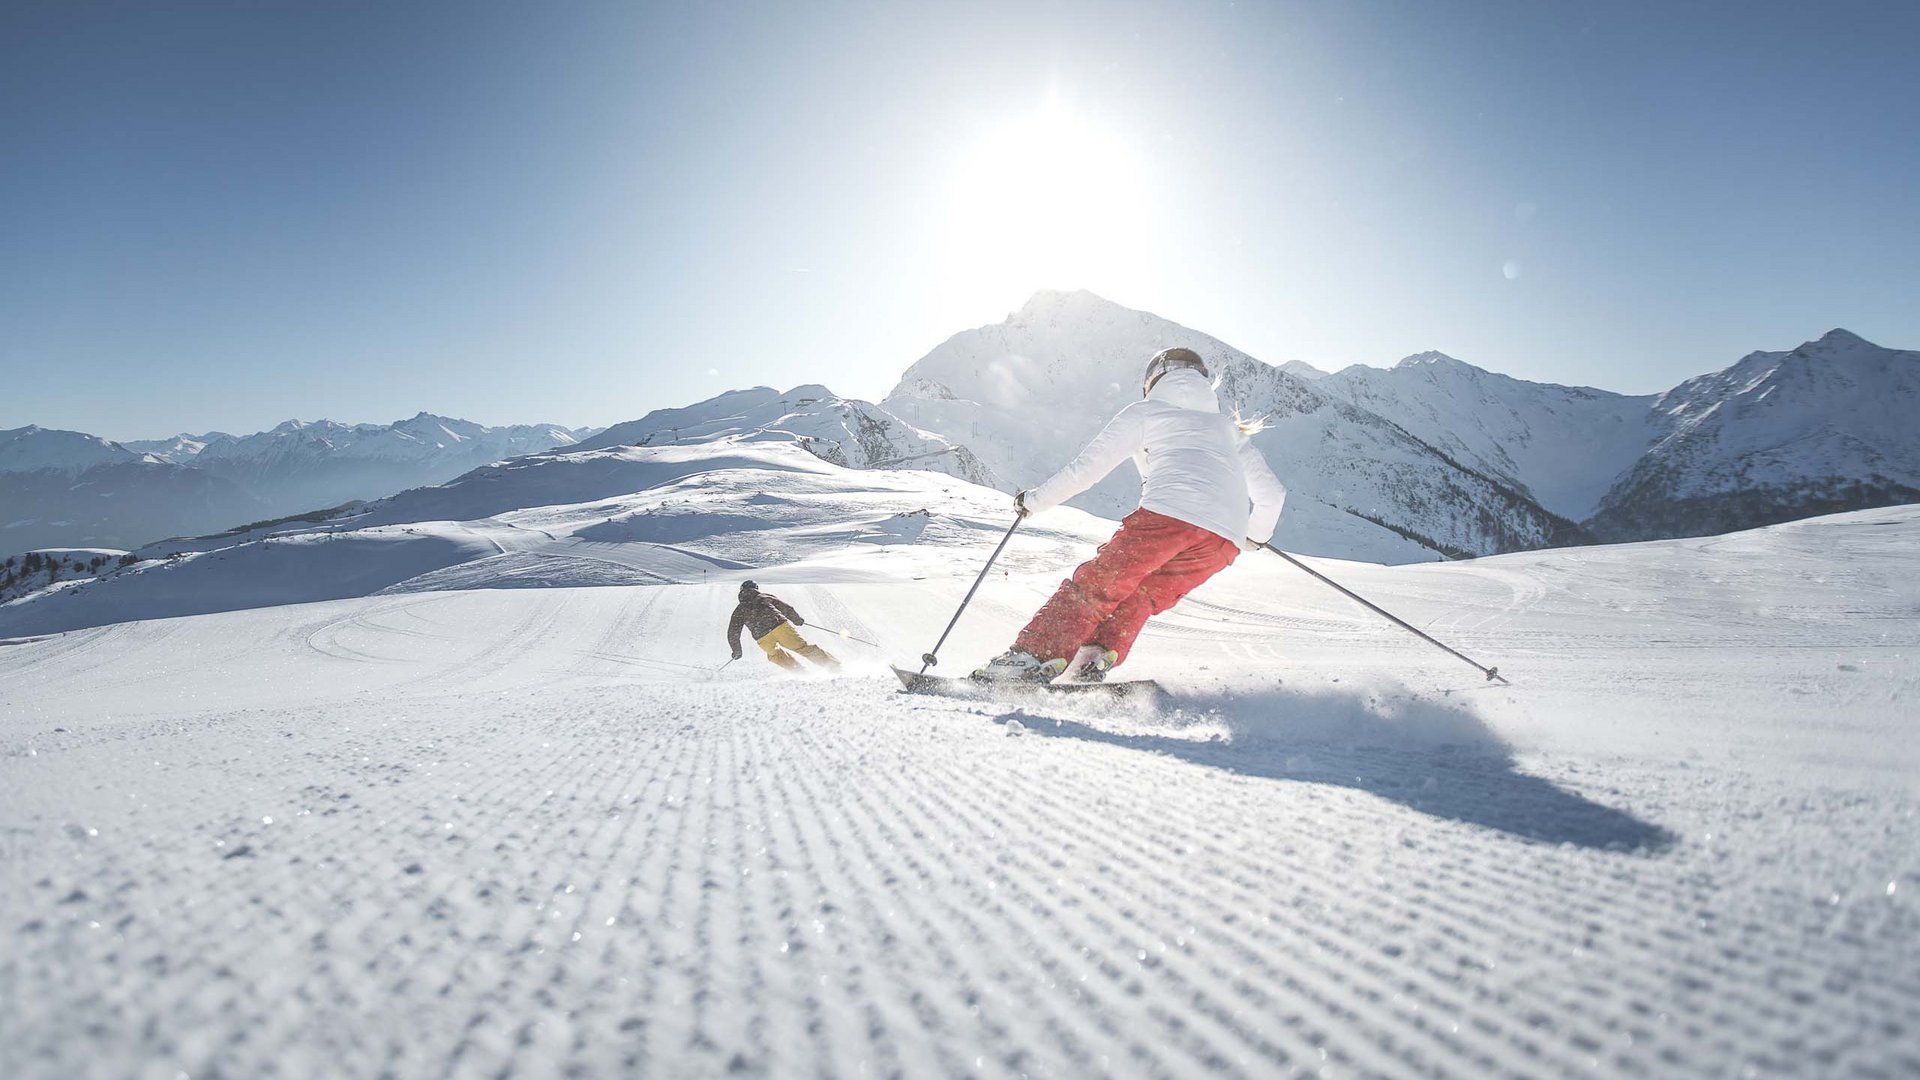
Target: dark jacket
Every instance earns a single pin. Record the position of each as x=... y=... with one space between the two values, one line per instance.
x=759 y=614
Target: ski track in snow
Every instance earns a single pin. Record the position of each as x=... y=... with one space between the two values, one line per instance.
x=537 y=833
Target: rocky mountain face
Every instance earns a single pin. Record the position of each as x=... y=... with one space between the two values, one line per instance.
x=1826 y=427
x=855 y=434
x=1562 y=445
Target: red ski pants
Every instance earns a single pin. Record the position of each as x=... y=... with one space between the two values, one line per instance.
x=1144 y=569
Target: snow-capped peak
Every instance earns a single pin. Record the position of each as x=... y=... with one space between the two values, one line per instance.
x=179 y=449
x=1839 y=338
x=33 y=447
x=1438 y=361
x=1826 y=426
x=1050 y=300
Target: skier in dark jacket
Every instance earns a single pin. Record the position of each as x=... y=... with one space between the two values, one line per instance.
x=770 y=621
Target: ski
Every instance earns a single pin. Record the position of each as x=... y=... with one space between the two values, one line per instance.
x=984 y=690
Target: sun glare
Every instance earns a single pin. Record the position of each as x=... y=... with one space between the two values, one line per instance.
x=1049 y=200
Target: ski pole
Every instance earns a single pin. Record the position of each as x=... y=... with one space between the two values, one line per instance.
x=1491 y=673
x=842 y=634
x=723 y=667
x=929 y=659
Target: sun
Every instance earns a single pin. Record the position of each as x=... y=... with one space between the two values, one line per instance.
x=1047 y=200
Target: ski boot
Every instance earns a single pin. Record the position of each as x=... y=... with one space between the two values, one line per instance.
x=1090 y=664
x=1019 y=665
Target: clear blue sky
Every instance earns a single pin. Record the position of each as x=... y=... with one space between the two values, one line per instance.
x=224 y=215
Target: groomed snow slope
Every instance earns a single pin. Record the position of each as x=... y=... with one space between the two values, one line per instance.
x=533 y=831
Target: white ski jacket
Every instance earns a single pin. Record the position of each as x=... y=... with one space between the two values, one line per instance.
x=1195 y=464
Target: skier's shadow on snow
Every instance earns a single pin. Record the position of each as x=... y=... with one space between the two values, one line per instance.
x=1440 y=760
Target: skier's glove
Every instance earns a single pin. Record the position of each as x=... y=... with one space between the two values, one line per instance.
x=1020 y=505
x=736 y=654
x=798 y=621
x=1250 y=544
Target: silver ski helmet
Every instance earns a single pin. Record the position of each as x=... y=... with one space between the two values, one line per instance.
x=1166 y=360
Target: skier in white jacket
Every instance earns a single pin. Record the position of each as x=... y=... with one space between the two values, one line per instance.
x=1198 y=474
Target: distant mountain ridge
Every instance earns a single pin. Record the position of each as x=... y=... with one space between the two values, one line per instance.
x=620 y=515
x=69 y=488
x=33 y=447
x=178 y=450
x=1430 y=458
x=302 y=465
x=844 y=431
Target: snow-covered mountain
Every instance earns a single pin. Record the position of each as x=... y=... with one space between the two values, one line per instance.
x=1563 y=445
x=1431 y=458
x=1025 y=394
x=1827 y=427
x=70 y=489
x=302 y=465
x=618 y=515
x=33 y=448
x=856 y=434
x=750 y=478
x=192 y=484
x=1435 y=455
x=180 y=449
